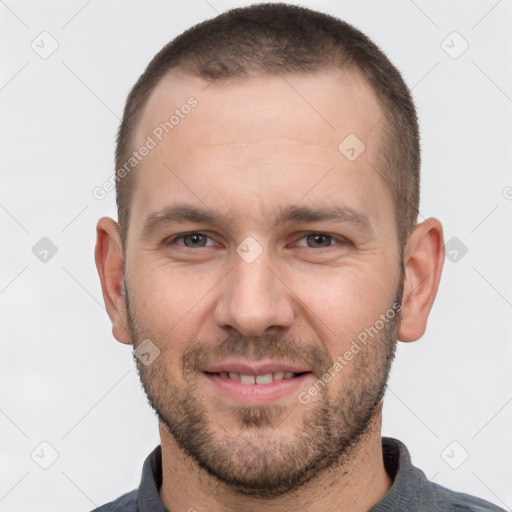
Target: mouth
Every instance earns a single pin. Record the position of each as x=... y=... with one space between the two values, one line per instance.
x=256 y=384
x=261 y=379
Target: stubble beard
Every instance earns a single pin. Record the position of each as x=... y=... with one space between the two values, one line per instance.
x=257 y=459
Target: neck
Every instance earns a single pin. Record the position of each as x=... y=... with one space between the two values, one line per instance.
x=356 y=485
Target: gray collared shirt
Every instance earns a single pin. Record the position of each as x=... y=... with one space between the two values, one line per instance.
x=411 y=491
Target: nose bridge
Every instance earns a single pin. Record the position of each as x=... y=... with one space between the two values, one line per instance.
x=253 y=298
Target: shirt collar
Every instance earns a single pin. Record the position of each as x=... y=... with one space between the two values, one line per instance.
x=148 y=495
x=408 y=480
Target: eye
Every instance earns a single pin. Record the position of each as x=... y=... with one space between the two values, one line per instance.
x=192 y=240
x=198 y=240
x=319 y=240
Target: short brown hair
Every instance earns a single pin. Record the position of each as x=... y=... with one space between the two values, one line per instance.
x=280 y=38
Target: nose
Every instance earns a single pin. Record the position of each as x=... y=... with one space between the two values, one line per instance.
x=254 y=298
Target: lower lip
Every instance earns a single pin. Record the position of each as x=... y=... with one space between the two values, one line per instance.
x=255 y=394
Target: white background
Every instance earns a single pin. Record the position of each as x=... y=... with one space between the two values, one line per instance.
x=64 y=378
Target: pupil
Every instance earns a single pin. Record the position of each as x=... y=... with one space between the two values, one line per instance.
x=318 y=238
x=195 y=239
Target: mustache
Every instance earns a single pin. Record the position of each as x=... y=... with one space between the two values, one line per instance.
x=272 y=346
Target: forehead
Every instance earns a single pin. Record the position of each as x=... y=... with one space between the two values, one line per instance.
x=318 y=107
x=257 y=138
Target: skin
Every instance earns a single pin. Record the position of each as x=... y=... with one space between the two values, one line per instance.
x=248 y=148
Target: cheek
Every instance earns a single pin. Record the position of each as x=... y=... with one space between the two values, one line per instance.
x=166 y=294
x=171 y=305
x=343 y=302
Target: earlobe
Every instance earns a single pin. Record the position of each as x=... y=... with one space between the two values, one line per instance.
x=423 y=261
x=110 y=264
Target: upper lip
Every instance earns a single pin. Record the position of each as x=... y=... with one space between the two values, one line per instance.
x=260 y=368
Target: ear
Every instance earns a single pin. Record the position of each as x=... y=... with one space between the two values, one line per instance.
x=110 y=264
x=423 y=261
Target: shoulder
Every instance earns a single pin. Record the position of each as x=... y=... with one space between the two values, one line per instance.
x=125 y=503
x=460 y=502
x=412 y=491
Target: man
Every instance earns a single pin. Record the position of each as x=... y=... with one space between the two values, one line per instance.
x=267 y=259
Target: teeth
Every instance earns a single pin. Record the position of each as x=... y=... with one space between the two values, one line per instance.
x=247 y=379
x=266 y=378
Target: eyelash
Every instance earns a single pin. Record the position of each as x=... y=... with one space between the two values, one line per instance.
x=174 y=239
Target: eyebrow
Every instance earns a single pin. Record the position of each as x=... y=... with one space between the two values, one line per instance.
x=182 y=212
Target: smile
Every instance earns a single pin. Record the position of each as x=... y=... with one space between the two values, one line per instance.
x=256 y=382
x=262 y=379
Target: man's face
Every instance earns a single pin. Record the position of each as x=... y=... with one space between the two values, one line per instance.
x=245 y=295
